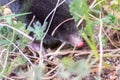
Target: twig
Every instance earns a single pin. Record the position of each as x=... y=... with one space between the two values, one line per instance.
x=69 y=19
x=101 y=46
x=2 y=24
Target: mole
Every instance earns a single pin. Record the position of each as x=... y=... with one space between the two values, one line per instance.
x=62 y=25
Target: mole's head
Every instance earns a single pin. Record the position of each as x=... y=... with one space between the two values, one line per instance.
x=68 y=33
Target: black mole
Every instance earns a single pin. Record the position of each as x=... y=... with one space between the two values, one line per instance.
x=67 y=32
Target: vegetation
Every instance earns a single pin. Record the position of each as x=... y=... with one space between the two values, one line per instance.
x=99 y=59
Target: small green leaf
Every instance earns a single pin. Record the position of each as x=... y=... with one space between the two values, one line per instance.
x=81 y=68
x=67 y=61
x=38 y=30
x=109 y=19
x=89 y=28
x=4 y=42
x=78 y=8
x=36 y=73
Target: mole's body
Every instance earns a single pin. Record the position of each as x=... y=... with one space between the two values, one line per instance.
x=67 y=32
